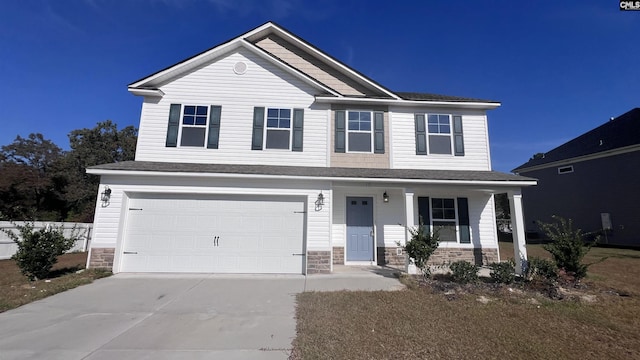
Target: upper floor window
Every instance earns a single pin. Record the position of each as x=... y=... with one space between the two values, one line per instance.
x=359 y=131
x=439 y=134
x=193 y=126
x=439 y=128
x=278 y=129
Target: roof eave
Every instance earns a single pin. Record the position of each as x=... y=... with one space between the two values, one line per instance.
x=401 y=102
x=146 y=92
x=499 y=183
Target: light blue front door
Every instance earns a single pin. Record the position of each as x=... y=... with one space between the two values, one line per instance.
x=359 y=229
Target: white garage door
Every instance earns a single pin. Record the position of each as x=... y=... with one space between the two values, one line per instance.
x=215 y=235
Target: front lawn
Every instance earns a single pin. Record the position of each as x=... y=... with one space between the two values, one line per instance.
x=423 y=324
x=17 y=290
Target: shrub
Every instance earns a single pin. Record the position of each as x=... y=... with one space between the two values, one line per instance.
x=464 y=272
x=540 y=269
x=503 y=272
x=38 y=249
x=421 y=246
x=567 y=246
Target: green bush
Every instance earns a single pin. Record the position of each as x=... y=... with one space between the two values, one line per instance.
x=540 y=269
x=38 y=249
x=503 y=272
x=567 y=246
x=464 y=272
x=421 y=246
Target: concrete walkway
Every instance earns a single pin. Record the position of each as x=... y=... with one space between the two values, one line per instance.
x=167 y=316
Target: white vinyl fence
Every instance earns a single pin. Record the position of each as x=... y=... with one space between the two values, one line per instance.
x=8 y=247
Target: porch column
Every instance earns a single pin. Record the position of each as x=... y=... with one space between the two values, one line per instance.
x=409 y=224
x=517 y=229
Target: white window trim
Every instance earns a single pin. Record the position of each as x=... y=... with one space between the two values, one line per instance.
x=371 y=132
x=450 y=135
x=455 y=222
x=206 y=126
x=264 y=134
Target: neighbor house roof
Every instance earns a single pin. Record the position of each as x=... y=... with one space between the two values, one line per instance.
x=312 y=173
x=149 y=85
x=617 y=133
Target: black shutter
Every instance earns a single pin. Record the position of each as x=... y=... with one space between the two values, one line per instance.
x=458 y=140
x=340 y=130
x=214 y=126
x=174 y=125
x=298 y=127
x=258 y=126
x=463 y=221
x=421 y=135
x=378 y=134
x=423 y=212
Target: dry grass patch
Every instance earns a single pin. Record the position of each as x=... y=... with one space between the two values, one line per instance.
x=478 y=323
x=16 y=290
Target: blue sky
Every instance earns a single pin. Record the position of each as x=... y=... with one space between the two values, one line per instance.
x=560 y=68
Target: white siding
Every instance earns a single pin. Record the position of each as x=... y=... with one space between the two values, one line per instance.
x=263 y=84
x=110 y=220
x=403 y=142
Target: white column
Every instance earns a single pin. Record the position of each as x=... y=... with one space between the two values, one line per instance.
x=410 y=267
x=517 y=227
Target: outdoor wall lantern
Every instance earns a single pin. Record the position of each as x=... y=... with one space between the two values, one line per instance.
x=319 y=201
x=105 y=196
x=385 y=197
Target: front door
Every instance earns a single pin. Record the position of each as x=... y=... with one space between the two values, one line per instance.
x=359 y=229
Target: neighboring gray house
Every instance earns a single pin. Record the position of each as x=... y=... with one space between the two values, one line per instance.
x=266 y=155
x=593 y=180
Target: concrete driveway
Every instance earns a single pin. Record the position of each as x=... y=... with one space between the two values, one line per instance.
x=130 y=316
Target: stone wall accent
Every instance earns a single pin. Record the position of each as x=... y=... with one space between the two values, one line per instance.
x=102 y=258
x=443 y=256
x=338 y=255
x=318 y=262
x=388 y=256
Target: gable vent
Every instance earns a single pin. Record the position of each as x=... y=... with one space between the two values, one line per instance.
x=240 y=67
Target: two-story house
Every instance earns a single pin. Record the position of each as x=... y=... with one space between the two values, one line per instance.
x=266 y=155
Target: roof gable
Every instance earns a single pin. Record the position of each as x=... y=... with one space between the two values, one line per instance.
x=617 y=133
x=330 y=76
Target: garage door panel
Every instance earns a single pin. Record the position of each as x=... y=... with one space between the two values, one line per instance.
x=177 y=235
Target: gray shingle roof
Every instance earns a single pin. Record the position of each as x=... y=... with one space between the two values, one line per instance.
x=435 y=97
x=617 y=133
x=315 y=172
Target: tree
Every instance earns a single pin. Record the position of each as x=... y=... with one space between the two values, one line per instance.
x=27 y=167
x=102 y=144
x=421 y=246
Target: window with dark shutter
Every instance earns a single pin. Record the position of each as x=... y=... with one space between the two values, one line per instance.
x=258 y=128
x=421 y=135
x=340 y=131
x=378 y=136
x=173 y=126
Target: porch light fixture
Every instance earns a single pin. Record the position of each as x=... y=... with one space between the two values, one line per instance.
x=319 y=201
x=385 y=197
x=105 y=196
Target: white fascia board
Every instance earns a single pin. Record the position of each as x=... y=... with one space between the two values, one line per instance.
x=288 y=68
x=280 y=32
x=190 y=63
x=314 y=178
x=146 y=92
x=401 y=102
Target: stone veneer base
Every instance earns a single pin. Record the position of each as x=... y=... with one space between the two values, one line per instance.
x=388 y=256
x=102 y=258
x=444 y=256
x=338 y=255
x=318 y=262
